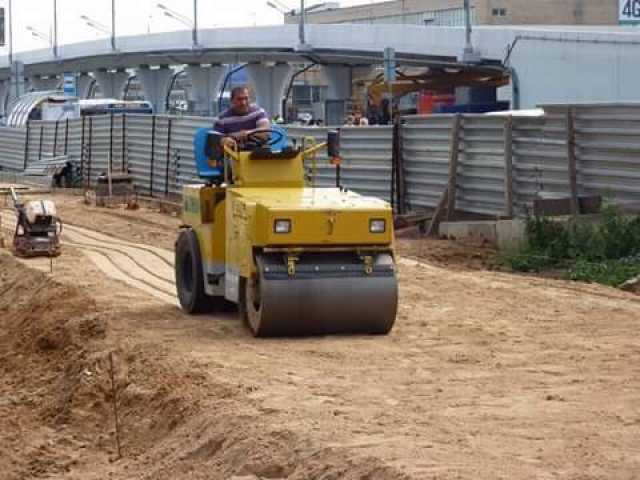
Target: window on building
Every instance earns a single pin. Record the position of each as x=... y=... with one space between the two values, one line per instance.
x=499 y=12
x=317 y=94
x=302 y=94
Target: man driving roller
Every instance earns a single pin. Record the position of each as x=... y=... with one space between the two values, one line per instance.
x=239 y=121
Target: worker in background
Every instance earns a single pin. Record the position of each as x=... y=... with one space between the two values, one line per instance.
x=241 y=119
x=358 y=119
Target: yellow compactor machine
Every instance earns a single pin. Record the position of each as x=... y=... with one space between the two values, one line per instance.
x=297 y=260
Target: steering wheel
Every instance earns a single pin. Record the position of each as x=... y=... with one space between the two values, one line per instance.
x=254 y=140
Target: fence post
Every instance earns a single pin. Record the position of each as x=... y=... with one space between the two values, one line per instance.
x=26 y=145
x=55 y=139
x=453 y=166
x=153 y=151
x=166 y=175
x=66 y=137
x=82 y=149
x=40 y=145
x=399 y=163
x=571 y=157
x=111 y=137
x=124 y=141
x=448 y=197
x=90 y=152
x=508 y=166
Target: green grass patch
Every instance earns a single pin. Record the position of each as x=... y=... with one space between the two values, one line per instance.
x=606 y=251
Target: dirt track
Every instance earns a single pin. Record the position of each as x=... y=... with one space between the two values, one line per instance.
x=486 y=375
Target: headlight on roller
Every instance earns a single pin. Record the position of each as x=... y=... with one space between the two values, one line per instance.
x=377 y=225
x=282 y=226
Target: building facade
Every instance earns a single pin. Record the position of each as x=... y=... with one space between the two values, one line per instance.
x=483 y=12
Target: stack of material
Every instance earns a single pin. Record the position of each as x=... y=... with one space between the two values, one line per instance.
x=50 y=172
x=116 y=189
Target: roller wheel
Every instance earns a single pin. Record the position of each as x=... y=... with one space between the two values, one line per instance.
x=277 y=305
x=189 y=275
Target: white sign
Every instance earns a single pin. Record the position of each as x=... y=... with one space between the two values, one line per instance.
x=389 y=57
x=629 y=11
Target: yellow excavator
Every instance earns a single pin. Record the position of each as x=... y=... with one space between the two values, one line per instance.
x=296 y=259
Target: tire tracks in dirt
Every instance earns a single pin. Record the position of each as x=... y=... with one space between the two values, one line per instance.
x=144 y=267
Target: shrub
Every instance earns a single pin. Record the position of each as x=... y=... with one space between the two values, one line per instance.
x=605 y=252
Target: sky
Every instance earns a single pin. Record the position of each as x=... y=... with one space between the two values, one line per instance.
x=134 y=17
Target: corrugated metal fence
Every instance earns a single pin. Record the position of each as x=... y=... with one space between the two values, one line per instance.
x=366 y=158
x=606 y=144
x=503 y=163
x=12 y=148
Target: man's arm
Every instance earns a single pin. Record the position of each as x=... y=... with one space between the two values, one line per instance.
x=262 y=124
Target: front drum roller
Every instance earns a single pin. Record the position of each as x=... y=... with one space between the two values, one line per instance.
x=328 y=294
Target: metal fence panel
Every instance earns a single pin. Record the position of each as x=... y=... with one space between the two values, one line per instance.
x=12 y=143
x=74 y=141
x=162 y=158
x=366 y=158
x=98 y=137
x=140 y=148
x=608 y=151
x=481 y=167
x=325 y=173
x=540 y=160
x=183 y=162
x=426 y=149
x=426 y=143
x=37 y=137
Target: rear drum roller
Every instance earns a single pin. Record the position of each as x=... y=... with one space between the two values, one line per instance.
x=190 y=277
x=327 y=295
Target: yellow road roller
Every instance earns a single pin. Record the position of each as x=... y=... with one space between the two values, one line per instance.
x=296 y=259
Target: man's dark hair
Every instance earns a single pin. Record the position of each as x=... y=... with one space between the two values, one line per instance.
x=236 y=90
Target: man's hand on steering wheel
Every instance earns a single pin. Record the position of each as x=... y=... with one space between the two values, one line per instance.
x=257 y=137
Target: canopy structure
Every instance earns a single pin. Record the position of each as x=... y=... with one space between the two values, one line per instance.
x=21 y=110
x=439 y=79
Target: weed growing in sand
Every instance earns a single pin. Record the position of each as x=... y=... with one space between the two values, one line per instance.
x=606 y=251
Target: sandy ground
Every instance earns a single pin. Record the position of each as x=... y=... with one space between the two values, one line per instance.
x=486 y=375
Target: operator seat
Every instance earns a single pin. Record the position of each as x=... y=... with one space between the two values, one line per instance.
x=207 y=167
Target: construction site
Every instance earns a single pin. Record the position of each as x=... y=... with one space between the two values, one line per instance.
x=137 y=342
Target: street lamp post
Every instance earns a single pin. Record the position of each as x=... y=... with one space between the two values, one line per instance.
x=90 y=22
x=113 y=25
x=103 y=28
x=10 y=36
x=282 y=8
x=467 y=22
x=469 y=54
x=193 y=24
x=301 y=34
x=55 y=28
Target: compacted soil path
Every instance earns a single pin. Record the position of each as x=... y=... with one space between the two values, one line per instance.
x=485 y=375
